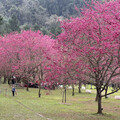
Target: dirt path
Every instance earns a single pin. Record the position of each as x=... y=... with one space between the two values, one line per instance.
x=38 y=114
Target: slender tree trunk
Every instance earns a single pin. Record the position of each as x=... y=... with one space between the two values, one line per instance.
x=0 y=79
x=34 y=77
x=9 y=79
x=5 y=79
x=73 y=93
x=79 y=88
x=39 y=92
x=27 y=88
x=40 y=76
x=91 y=86
x=99 y=102
x=65 y=94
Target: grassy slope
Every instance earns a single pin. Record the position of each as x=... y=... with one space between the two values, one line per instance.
x=27 y=106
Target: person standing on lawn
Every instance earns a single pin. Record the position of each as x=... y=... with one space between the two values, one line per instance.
x=13 y=91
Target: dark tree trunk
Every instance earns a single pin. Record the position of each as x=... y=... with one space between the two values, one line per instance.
x=73 y=93
x=79 y=88
x=91 y=86
x=33 y=77
x=27 y=88
x=5 y=79
x=39 y=92
x=99 y=101
x=0 y=79
x=9 y=79
x=65 y=94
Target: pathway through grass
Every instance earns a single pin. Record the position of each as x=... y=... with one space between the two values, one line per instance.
x=27 y=106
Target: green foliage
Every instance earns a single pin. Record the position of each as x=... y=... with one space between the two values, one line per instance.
x=44 y=31
x=26 y=27
x=35 y=13
x=3 y=26
x=36 y=27
x=38 y=10
x=14 y=24
x=55 y=30
x=1 y=20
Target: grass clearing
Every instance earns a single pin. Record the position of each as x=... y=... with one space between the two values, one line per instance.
x=27 y=106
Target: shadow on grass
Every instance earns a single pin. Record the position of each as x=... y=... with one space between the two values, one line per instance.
x=103 y=114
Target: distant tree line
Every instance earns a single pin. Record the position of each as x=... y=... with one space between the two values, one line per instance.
x=36 y=15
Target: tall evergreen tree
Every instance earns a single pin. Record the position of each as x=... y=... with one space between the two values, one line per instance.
x=14 y=24
x=1 y=20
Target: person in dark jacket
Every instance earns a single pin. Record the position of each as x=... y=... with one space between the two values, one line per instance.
x=13 y=80
x=13 y=91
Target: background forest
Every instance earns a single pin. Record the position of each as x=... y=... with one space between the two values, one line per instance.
x=43 y=15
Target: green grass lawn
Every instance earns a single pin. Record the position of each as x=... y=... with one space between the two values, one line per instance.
x=27 y=106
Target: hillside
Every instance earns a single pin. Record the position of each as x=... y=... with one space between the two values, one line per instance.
x=39 y=14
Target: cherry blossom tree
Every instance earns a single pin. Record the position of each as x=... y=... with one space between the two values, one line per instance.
x=95 y=37
x=25 y=54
